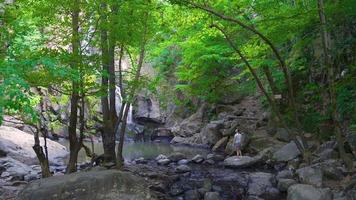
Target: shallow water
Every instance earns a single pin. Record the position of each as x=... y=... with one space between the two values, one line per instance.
x=148 y=150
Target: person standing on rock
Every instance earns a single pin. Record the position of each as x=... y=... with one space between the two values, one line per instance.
x=237 y=142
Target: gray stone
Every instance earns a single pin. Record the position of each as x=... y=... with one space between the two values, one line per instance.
x=18 y=145
x=284 y=184
x=175 y=157
x=262 y=185
x=164 y=161
x=191 y=125
x=198 y=159
x=308 y=192
x=285 y=174
x=240 y=161
x=282 y=135
x=183 y=169
x=220 y=144
x=286 y=153
x=246 y=161
x=211 y=196
x=14 y=168
x=215 y=157
x=183 y=162
x=312 y=176
x=108 y=185
x=191 y=195
x=140 y=161
x=161 y=156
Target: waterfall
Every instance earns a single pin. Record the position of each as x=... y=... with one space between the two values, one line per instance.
x=118 y=100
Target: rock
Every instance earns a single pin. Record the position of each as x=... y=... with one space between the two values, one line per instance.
x=284 y=184
x=246 y=161
x=351 y=141
x=140 y=161
x=326 y=155
x=240 y=161
x=164 y=161
x=209 y=162
x=215 y=157
x=309 y=175
x=211 y=196
x=191 y=125
x=3 y=153
x=210 y=134
x=285 y=174
x=262 y=185
x=108 y=184
x=259 y=142
x=160 y=157
x=191 y=195
x=286 y=153
x=147 y=109
x=183 y=162
x=282 y=135
x=183 y=169
x=308 y=192
x=162 y=132
x=220 y=144
x=175 y=157
x=198 y=159
x=15 y=169
x=18 y=145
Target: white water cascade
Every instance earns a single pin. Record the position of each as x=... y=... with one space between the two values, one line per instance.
x=118 y=100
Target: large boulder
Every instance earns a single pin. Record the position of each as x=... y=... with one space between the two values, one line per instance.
x=240 y=161
x=284 y=184
x=210 y=134
x=308 y=192
x=191 y=125
x=220 y=144
x=14 y=169
x=260 y=140
x=18 y=145
x=286 y=153
x=176 y=156
x=246 y=161
x=147 y=109
x=312 y=176
x=105 y=185
x=262 y=185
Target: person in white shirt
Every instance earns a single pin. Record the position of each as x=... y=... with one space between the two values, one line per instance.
x=238 y=142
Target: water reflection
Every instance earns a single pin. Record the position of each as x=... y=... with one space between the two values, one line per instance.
x=145 y=149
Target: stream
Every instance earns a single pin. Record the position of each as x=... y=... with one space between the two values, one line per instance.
x=134 y=150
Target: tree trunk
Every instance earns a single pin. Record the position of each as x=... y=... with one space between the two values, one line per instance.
x=108 y=134
x=72 y=129
x=120 y=158
x=331 y=76
x=270 y=79
x=41 y=155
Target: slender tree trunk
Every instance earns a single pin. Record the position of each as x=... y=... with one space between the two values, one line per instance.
x=260 y=85
x=325 y=35
x=108 y=134
x=120 y=158
x=72 y=130
x=41 y=155
x=112 y=79
x=270 y=79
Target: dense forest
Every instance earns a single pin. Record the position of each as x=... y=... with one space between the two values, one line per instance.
x=85 y=67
